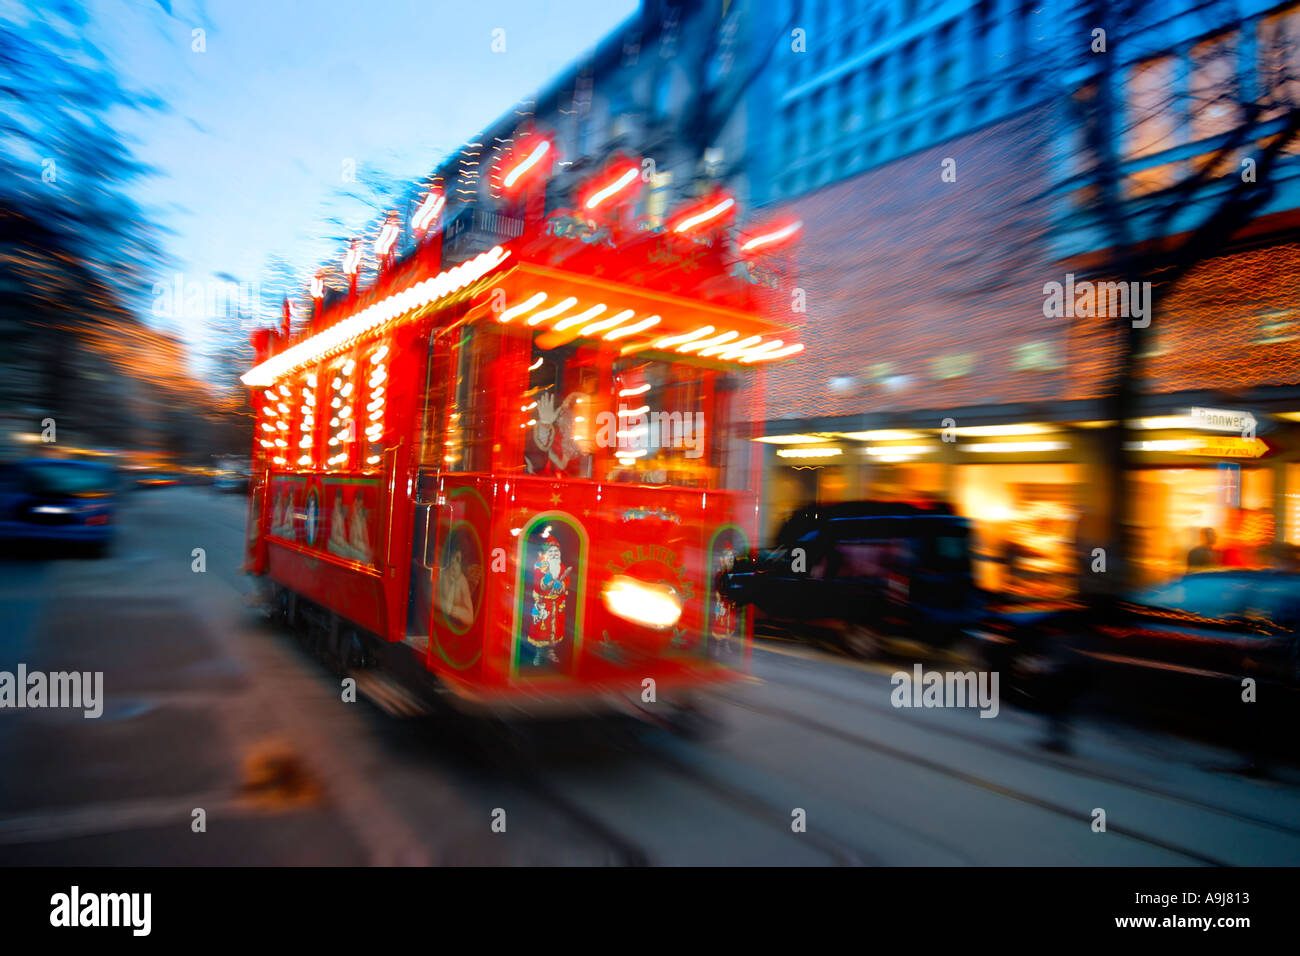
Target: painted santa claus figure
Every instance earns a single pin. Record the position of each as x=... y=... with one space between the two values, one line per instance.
x=550 y=601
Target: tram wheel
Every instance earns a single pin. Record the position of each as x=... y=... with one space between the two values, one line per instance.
x=860 y=640
x=352 y=652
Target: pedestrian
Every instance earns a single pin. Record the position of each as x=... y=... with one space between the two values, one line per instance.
x=1203 y=556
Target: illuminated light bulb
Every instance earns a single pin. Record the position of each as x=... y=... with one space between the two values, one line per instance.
x=270 y=396
x=633 y=329
x=779 y=353
x=639 y=390
x=336 y=384
x=374 y=459
x=346 y=390
x=428 y=211
x=284 y=409
x=347 y=330
x=348 y=366
x=527 y=305
x=281 y=443
x=268 y=410
x=305 y=460
x=688 y=337
x=334 y=441
x=578 y=319
x=716 y=340
x=267 y=427
x=733 y=349
x=378 y=354
x=278 y=461
x=531 y=160
x=617 y=185
x=535 y=366
x=305 y=427
x=564 y=305
x=378 y=403
x=317 y=287
x=377 y=380
x=387 y=236
x=628 y=413
x=267 y=444
x=531 y=421
x=337 y=403
x=765 y=348
x=284 y=390
x=702 y=217
x=334 y=422
x=606 y=323
x=283 y=426
x=375 y=416
x=777 y=235
x=376 y=392
x=352 y=261
x=346 y=412
x=311 y=379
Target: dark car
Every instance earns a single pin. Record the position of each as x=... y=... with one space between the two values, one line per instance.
x=1209 y=624
x=58 y=500
x=866 y=571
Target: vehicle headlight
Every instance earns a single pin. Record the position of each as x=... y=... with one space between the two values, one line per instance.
x=653 y=605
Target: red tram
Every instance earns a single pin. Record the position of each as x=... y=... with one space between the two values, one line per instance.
x=512 y=481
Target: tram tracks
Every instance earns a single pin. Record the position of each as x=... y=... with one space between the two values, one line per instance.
x=792 y=717
x=1046 y=758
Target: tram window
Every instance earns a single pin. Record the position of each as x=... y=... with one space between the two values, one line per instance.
x=470 y=424
x=437 y=390
x=663 y=428
x=338 y=399
x=558 y=411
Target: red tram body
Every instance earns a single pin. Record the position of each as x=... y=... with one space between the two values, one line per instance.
x=518 y=477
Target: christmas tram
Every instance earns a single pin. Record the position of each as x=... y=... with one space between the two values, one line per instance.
x=509 y=485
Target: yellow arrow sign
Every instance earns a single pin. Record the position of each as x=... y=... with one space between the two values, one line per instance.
x=1228 y=446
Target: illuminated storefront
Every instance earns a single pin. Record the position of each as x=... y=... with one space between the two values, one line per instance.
x=1025 y=487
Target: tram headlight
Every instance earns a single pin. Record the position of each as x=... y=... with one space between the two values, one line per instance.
x=651 y=605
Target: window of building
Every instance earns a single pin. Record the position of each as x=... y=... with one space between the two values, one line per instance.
x=1213 y=88
x=1143 y=182
x=1279 y=59
x=1037 y=356
x=1152 y=118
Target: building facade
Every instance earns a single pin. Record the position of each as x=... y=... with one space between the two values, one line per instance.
x=939 y=159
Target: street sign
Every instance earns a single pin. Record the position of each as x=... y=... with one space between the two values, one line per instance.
x=1227 y=446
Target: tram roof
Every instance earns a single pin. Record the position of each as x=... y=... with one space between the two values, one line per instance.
x=654 y=293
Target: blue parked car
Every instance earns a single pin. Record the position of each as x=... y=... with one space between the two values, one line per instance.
x=59 y=500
